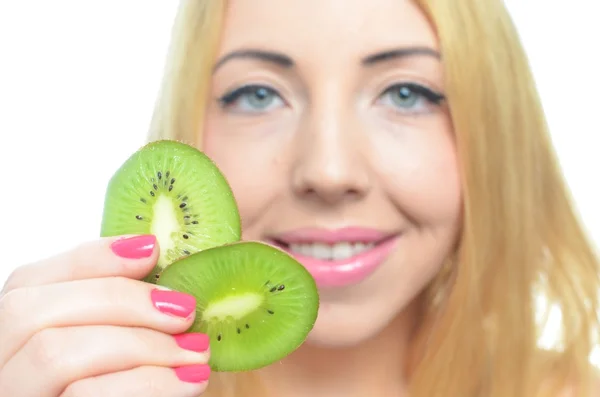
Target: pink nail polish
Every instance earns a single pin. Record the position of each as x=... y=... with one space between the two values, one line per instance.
x=193 y=373
x=174 y=303
x=194 y=342
x=137 y=247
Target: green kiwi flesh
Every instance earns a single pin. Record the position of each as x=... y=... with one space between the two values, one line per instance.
x=174 y=191
x=256 y=303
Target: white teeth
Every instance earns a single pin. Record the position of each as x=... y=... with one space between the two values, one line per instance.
x=331 y=252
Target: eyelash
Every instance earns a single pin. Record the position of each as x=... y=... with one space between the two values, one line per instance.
x=231 y=97
x=429 y=95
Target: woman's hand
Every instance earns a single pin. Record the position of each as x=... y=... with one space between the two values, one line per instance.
x=81 y=324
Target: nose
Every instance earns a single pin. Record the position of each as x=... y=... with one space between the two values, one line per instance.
x=330 y=159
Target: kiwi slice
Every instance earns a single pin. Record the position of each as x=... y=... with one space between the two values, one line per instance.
x=174 y=191
x=256 y=303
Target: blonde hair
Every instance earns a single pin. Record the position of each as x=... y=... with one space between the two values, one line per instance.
x=521 y=238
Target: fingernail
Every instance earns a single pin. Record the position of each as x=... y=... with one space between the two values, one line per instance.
x=193 y=373
x=194 y=342
x=137 y=247
x=173 y=302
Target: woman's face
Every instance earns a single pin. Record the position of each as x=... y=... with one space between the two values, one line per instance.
x=329 y=120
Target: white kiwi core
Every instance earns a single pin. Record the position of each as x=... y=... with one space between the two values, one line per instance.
x=235 y=307
x=165 y=224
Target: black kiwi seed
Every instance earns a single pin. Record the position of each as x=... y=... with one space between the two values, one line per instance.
x=279 y=287
x=172 y=180
x=155 y=187
x=185 y=236
x=239 y=331
x=159 y=175
x=219 y=337
x=151 y=193
x=271 y=311
x=247 y=326
x=182 y=205
x=186 y=252
x=138 y=217
x=143 y=200
x=170 y=187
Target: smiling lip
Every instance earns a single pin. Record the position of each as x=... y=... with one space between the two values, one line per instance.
x=342 y=272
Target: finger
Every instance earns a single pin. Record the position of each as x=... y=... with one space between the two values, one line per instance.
x=147 y=381
x=127 y=256
x=109 y=301
x=61 y=356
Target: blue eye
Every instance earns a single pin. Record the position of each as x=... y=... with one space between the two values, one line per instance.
x=251 y=98
x=408 y=96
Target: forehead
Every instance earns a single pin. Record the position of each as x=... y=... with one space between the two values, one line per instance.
x=325 y=27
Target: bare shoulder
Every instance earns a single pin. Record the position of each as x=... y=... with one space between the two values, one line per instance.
x=550 y=361
x=594 y=390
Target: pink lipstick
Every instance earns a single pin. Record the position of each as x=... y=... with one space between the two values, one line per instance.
x=341 y=257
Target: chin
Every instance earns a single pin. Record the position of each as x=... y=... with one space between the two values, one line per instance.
x=329 y=339
x=342 y=326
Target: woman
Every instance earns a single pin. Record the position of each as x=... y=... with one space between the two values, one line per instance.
x=403 y=138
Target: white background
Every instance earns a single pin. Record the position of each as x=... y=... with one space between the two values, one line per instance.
x=78 y=80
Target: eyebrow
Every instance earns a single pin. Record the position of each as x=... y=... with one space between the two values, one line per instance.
x=399 y=53
x=261 y=55
x=285 y=61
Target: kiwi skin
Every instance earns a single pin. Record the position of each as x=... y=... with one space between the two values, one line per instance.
x=176 y=192
x=256 y=303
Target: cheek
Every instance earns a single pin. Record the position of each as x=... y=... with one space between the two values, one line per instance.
x=422 y=177
x=255 y=171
